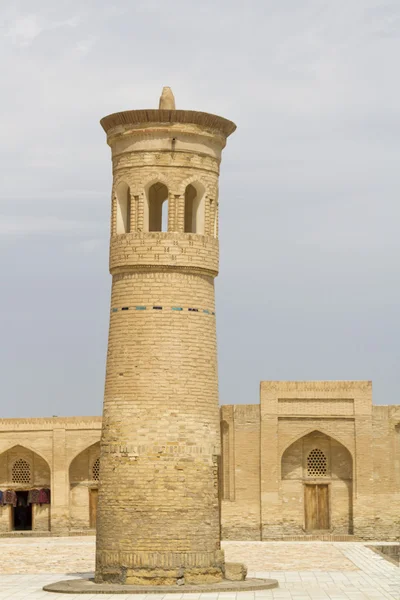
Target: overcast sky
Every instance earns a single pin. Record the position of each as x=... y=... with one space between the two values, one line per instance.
x=309 y=193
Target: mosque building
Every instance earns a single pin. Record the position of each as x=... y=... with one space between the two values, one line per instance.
x=313 y=459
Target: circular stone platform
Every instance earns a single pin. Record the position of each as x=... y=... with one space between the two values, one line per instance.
x=87 y=586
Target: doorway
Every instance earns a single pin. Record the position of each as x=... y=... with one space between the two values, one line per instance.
x=316 y=507
x=93 y=496
x=22 y=513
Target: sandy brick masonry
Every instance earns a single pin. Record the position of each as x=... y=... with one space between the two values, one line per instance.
x=57 y=451
x=158 y=511
x=264 y=446
x=266 y=470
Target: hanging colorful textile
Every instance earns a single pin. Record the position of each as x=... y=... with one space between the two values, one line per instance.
x=33 y=496
x=44 y=496
x=10 y=497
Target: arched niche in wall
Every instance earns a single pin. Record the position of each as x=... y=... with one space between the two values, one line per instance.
x=123 y=224
x=156 y=207
x=317 y=473
x=81 y=467
x=22 y=470
x=194 y=208
x=84 y=479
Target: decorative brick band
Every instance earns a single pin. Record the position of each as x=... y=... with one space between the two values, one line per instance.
x=178 y=309
x=148 y=560
x=148 y=449
x=164 y=251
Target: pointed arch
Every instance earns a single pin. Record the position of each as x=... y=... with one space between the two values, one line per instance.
x=194 y=221
x=26 y=447
x=316 y=484
x=156 y=196
x=196 y=179
x=320 y=430
x=22 y=469
x=317 y=455
x=83 y=476
x=156 y=178
x=123 y=220
x=83 y=448
x=23 y=466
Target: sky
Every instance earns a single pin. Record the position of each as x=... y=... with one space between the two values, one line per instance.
x=309 y=283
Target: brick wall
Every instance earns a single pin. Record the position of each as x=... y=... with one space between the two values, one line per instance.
x=362 y=446
x=32 y=439
x=38 y=441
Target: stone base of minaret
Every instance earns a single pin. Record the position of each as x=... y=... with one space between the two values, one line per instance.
x=152 y=584
x=170 y=576
x=162 y=568
x=226 y=577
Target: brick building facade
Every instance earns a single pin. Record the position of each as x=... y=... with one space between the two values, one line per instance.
x=313 y=458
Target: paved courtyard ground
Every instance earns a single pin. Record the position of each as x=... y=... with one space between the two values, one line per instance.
x=305 y=570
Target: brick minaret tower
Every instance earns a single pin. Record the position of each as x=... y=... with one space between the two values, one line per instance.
x=158 y=516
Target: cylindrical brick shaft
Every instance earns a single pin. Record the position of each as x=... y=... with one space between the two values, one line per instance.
x=158 y=515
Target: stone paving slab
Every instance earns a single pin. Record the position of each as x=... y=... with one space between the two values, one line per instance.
x=288 y=556
x=21 y=555
x=373 y=578
x=47 y=555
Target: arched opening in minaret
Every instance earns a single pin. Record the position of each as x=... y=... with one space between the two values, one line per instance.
x=157 y=198
x=194 y=208
x=123 y=208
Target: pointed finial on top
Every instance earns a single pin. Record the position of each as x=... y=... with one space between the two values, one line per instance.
x=167 y=100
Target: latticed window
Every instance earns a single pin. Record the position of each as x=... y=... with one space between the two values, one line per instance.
x=96 y=469
x=316 y=463
x=21 y=471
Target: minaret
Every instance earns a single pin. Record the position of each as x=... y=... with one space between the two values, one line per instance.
x=158 y=514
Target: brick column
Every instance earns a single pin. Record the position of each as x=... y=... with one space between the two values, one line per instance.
x=59 y=485
x=270 y=501
x=363 y=519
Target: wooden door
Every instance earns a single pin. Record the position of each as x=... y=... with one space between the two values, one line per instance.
x=316 y=506
x=93 y=495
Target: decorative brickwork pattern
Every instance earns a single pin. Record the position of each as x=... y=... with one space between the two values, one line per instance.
x=96 y=470
x=299 y=406
x=316 y=463
x=191 y=309
x=21 y=471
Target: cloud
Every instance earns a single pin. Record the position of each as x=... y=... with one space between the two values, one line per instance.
x=83 y=47
x=24 y=29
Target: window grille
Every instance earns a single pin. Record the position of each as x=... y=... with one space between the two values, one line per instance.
x=316 y=463
x=21 y=471
x=96 y=469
